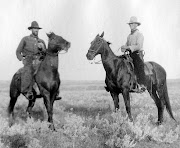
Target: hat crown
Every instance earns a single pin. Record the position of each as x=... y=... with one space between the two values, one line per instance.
x=34 y=24
x=133 y=19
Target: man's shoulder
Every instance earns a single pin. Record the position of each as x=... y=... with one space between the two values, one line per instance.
x=26 y=37
x=41 y=40
x=139 y=32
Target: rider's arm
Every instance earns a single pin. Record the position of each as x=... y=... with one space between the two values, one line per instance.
x=19 y=50
x=139 y=43
x=124 y=47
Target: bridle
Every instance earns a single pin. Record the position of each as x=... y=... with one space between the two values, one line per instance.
x=94 y=52
x=59 y=51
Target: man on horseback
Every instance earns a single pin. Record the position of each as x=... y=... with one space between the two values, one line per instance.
x=29 y=52
x=135 y=44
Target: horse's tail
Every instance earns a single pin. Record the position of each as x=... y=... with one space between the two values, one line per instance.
x=167 y=101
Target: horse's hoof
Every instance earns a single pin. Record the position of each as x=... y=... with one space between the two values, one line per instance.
x=51 y=127
x=158 y=123
x=131 y=119
x=11 y=121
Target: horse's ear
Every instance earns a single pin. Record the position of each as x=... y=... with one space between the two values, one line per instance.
x=102 y=35
x=97 y=35
x=50 y=34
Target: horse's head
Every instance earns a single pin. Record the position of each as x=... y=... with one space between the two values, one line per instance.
x=57 y=43
x=95 y=47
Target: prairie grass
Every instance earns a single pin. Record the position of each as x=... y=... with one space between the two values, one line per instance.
x=84 y=118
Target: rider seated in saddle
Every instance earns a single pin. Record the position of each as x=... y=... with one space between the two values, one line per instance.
x=28 y=52
x=135 y=44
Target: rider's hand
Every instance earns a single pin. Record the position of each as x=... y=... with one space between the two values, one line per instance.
x=124 y=48
x=40 y=45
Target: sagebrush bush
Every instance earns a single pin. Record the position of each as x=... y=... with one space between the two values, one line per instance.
x=112 y=131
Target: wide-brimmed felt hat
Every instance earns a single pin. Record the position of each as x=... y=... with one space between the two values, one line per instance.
x=133 y=20
x=34 y=24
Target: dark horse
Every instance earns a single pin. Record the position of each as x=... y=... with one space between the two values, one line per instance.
x=118 y=79
x=46 y=77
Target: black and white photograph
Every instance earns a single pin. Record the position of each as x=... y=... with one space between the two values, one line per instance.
x=90 y=74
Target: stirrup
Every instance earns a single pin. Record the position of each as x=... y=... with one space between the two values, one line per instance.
x=29 y=95
x=139 y=89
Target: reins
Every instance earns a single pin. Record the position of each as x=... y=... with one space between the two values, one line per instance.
x=100 y=61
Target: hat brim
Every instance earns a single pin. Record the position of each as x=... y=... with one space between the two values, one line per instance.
x=135 y=23
x=34 y=27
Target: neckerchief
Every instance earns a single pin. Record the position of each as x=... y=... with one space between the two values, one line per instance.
x=132 y=31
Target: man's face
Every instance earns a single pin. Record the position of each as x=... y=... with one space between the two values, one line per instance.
x=133 y=26
x=35 y=31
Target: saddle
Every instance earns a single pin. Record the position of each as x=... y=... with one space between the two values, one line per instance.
x=148 y=68
x=129 y=63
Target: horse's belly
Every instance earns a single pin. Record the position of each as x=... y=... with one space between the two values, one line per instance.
x=113 y=87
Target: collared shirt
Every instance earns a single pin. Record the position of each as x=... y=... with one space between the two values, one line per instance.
x=135 y=41
x=28 y=46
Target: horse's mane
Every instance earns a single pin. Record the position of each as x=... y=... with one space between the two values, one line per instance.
x=121 y=56
x=109 y=43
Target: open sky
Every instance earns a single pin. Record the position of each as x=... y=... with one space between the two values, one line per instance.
x=79 y=21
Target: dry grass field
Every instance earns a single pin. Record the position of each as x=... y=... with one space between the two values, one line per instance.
x=84 y=118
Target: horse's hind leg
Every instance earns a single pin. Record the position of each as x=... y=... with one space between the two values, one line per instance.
x=159 y=103
x=14 y=93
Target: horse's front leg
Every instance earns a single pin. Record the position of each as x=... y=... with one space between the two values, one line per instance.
x=115 y=97
x=49 y=107
x=126 y=97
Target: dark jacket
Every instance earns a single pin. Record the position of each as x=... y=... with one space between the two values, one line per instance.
x=28 y=46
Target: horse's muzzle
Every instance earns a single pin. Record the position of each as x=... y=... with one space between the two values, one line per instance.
x=89 y=56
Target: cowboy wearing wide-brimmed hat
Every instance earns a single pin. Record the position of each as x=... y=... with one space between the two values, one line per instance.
x=133 y=20
x=28 y=51
x=34 y=24
x=135 y=43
